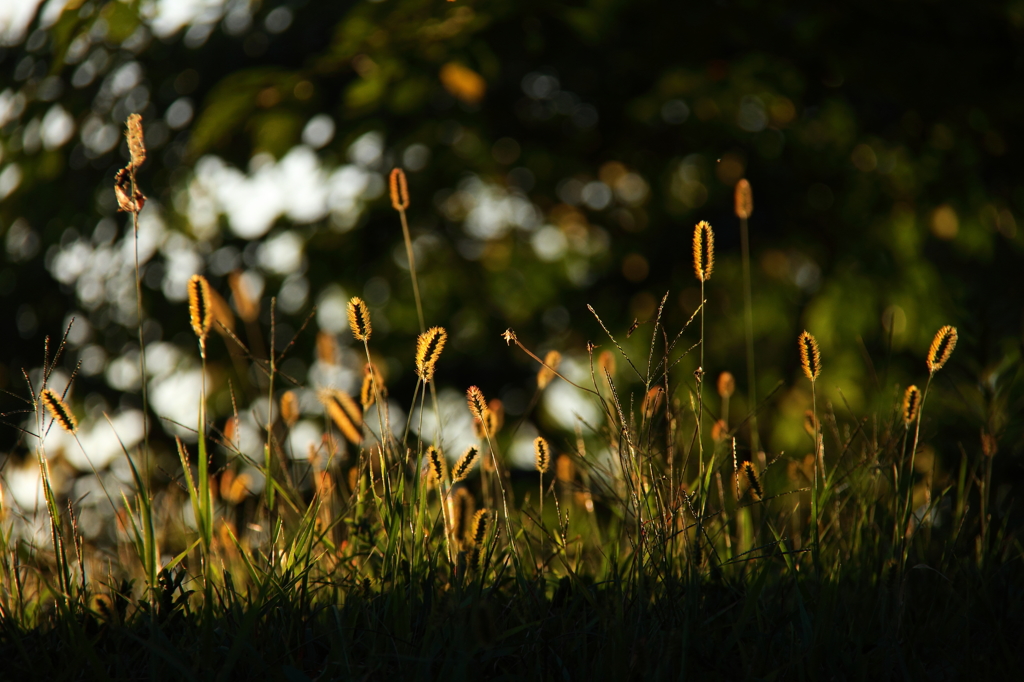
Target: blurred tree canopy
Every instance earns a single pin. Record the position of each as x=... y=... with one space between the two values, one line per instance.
x=559 y=154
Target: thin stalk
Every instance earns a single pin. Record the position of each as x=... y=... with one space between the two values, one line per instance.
x=142 y=341
x=412 y=269
x=749 y=328
x=910 y=488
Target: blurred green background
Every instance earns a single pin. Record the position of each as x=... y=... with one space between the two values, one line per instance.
x=559 y=154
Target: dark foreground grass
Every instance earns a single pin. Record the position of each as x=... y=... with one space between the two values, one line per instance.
x=926 y=627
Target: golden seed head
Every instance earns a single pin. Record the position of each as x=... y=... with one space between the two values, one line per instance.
x=460 y=512
x=719 y=431
x=703 y=250
x=435 y=464
x=810 y=357
x=399 y=189
x=744 y=199
x=752 y=480
x=359 y=319
x=547 y=372
x=340 y=411
x=200 y=307
x=941 y=348
x=726 y=384
x=59 y=410
x=136 y=145
x=911 y=404
x=371 y=375
x=477 y=403
x=480 y=526
x=465 y=463
x=428 y=349
x=542 y=453
x=290 y=408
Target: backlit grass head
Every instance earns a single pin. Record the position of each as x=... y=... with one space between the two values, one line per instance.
x=542 y=454
x=465 y=463
x=941 y=348
x=810 y=357
x=59 y=410
x=750 y=473
x=477 y=404
x=703 y=250
x=399 y=189
x=428 y=349
x=911 y=404
x=744 y=199
x=200 y=309
x=435 y=465
x=547 y=372
x=359 y=319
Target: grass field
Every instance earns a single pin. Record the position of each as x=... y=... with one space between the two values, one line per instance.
x=647 y=545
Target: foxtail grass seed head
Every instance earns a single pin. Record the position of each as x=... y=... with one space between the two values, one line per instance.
x=703 y=250
x=460 y=511
x=726 y=385
x=542 y=454
x=335 y=406
x=435 y=464
x=750 y=473
x=810 y=357
x=428 y=349
x=136 y=144
x=200 y=308
x=477 y=403
x=547 y=372
x=465 y=463
x=744 y=199
x=359 y=319
x=290 y=408
x=371 y=375
x=59 y=410
x=941 y=348
x=911 y=404
x=486 y=428
x=479 y=527
x=399 y=189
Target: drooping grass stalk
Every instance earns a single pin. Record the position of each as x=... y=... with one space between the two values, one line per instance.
x=744 y=205
x=131 y=200
x=810 y=361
